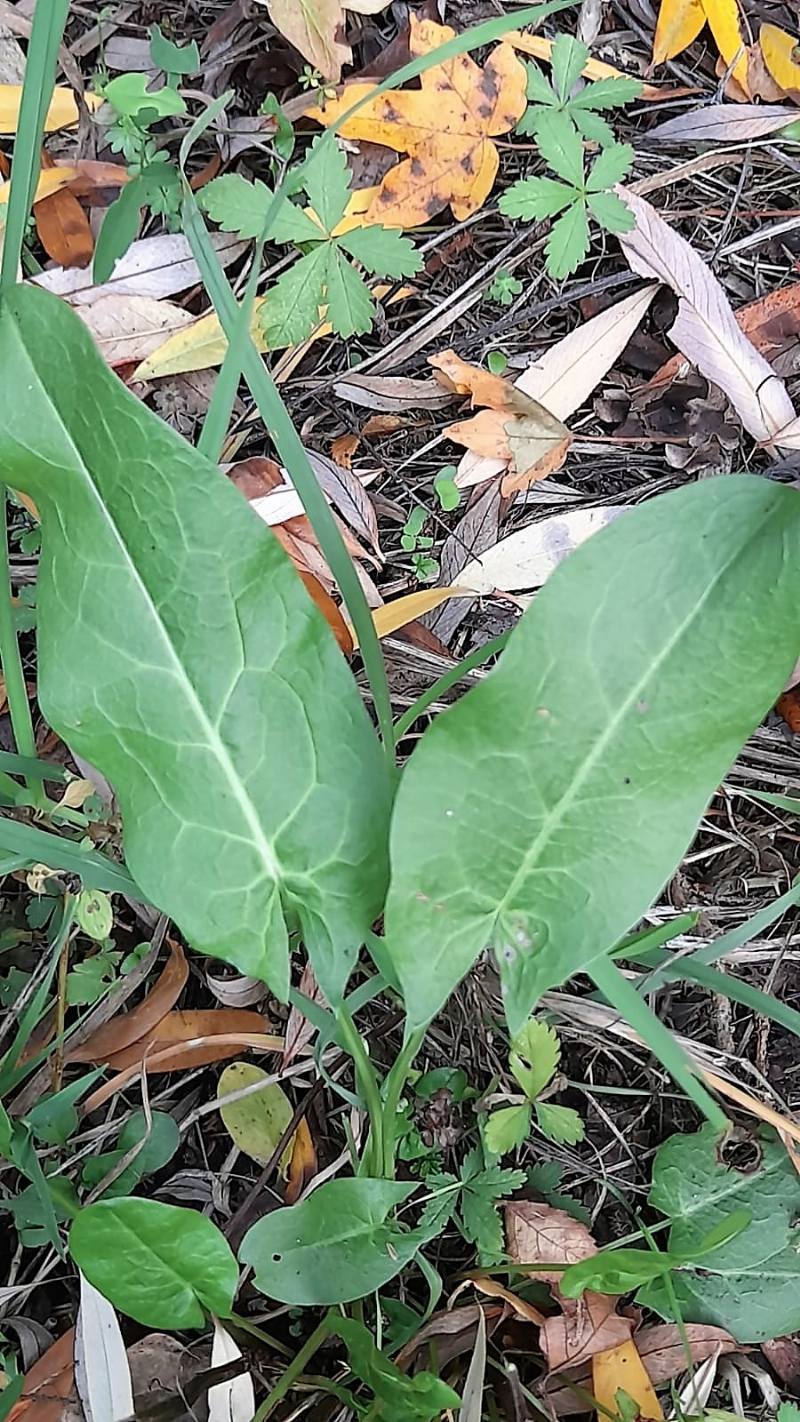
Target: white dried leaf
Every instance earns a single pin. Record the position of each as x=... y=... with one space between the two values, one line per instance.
x=232 y=1401
x=102 y=1374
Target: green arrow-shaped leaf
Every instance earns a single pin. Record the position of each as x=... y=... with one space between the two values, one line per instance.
x=180 y=653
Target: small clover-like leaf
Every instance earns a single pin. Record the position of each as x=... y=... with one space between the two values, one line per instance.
x=350 y=306
x=534 y=1057
x=506 y=1129
x=568 y=242
x=559 y=1123
x=611 y=212
x=533 y=199
x=560 y=146
x=326 y=179
x=568 y=58
x=382 y=250
x=292 y=308
x=610 y=167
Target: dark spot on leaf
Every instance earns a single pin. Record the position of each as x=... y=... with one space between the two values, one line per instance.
x=740 y=1151
x=434 y=206
x=490 y=84
x=276 y=1258
x=626 y=780
x=417 y=168
x=485 y=109
x=468 y=163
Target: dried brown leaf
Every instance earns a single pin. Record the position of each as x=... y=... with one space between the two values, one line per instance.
x=129 y=1027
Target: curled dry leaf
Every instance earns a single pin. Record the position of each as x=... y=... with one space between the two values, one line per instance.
x=303 y=1162
x=47 y=1383
x=183 y=1039
x=725 y=123
x=705 y=329
x=541 y=1235
x=663 y=1352
x=564 y=376
x=129 y=1027
x=516 y=429
x=299 y=1028
x=446 y=127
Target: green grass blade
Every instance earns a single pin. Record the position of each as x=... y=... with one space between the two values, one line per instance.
x=492 y=648
x=38 y=846
x=734 y=939
x=49 y=19
x=623 y=997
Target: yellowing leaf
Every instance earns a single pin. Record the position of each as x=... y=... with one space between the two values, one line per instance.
x=203 y=344
x=62 y=113
x=781 y=53
x=446 y=127
x=621 y=1368
x=723 y=20
x=401 y=610
x=315 y=28
x=678 y=25
x=51 y=180
x=256 y=1122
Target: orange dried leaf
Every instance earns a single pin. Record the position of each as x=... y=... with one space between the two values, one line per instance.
x=213 y=1046
x=303 y=1164
x=621 y=1368
x=483 y=388
x=47 y=1384
x=446 y=127
x=527 y=473
x=329 y=611
x=141 y=1021
x=343 y=448
x=63 y=226
x=541 y=48
x=678 y=25
x=184 y=1039
x=781 y=53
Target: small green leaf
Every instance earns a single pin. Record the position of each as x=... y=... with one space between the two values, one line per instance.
x=534 y=1057
x=130 y=96
x=615 y=1271
x=449 y=494
x=559 y=1123
x=161 y=1140
x=567 y=60
x=54 y=1119
x=568 y=242
x=592 y=127
x=503 y=289
x=539 y=89
x=610 y=167
x=350 y=307
x=561 y=147
x=611 y=212
x=417 y=1398
x=237 y=205
x=326 y=179
x=283 y=139
x=497 y=361
x=256 y=1122
x=338 y=1245
x=173 y=58
x=788 y=1412
x=121 y=222
x=382 y=251
x=607 y=94
x=506 y=1129
x=94 y=913
x=292 y=308
x=483 y=1191
x=160 y=1264
x=533 y=199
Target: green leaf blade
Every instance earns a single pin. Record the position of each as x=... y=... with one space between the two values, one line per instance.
x=382 y=251
x=337 y=1246
x=292 y=308
x=647 y=607
x=560 y=146
x=237 y=205
x=350 y=307
x=568 y=58
x=326 y=179
x=534 y=199
x=179 y=652
x=160 y=1264
x=610 y=167
x=611 y=212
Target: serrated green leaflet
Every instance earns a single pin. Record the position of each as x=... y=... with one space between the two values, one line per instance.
x=550 y=839
x=336 y=1246
x=160 y=1264
x=751 y=1283
x=180 y=653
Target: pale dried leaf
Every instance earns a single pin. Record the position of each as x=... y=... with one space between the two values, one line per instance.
x=526 y=558
x=789 y=436
x=349 y=496
x=313 y=27
x=725 y=123
x=154 y=266
x=592 y=1326
x=541 y=1234
x=706 y=330
x=232 y=1401
x=102 y=1374
x=472 y=1392
x=237 y=990
x=299 y=1028
x=130 y=328
x=395 y=394
x=564 y=376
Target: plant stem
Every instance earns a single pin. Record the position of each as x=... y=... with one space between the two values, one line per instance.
x=622 y=996
x=372 y=1156
x=448 y=679
x=395 y=1084
x=294 y=1371
x=16 y=690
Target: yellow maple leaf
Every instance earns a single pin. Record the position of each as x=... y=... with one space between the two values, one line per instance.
x=446 y=127
x=781 y=53
x=680 y=22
